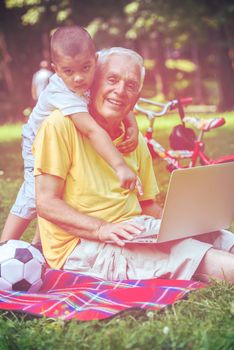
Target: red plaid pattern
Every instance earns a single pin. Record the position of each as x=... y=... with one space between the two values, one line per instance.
x=70 y=295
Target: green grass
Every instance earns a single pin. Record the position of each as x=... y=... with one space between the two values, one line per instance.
x=10 y=132
x=203 y=321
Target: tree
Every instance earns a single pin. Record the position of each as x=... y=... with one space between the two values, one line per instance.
x=186 y=44
x=210 y=26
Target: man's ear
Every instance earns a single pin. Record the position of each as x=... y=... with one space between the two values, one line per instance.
x=137 y=98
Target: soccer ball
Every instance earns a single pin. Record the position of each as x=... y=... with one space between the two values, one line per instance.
x=21 y=266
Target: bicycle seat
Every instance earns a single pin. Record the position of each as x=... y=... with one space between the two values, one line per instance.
x=204 y=124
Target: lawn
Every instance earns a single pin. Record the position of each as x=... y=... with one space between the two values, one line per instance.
x=205 y=320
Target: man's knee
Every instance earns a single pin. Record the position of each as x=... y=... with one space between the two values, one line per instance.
x=217 y=264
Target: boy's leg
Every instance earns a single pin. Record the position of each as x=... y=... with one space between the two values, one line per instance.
x=22 y=212
x=37 y=239
x=14 y=227
x=216 y=264
x=24 y=208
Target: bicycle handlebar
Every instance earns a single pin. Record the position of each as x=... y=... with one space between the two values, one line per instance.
x=165 y=107
x=183 y=101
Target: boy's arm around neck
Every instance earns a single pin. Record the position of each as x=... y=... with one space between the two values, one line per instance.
x=102 y=143
x=131 y=134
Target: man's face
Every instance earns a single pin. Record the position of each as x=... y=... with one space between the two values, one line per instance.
x=77 y=72
x=116 y=87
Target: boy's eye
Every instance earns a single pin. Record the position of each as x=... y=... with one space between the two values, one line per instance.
x=68 y=72
x=86 y=68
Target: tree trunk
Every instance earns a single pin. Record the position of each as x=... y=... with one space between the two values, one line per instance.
x=197 y=86
x=226 y=73
x=161 y=68
x=4 y=64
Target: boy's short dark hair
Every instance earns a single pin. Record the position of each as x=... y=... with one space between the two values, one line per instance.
x=70 y=41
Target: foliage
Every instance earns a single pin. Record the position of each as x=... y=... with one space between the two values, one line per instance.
x=35 y=9
x=200 y=29
x=165 y=32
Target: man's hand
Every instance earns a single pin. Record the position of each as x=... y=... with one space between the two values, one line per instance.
x=109 y=232
x=128 y=179
x=130 y=141
x=151 y=208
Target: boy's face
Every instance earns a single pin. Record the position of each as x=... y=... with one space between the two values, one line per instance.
x=77 y=72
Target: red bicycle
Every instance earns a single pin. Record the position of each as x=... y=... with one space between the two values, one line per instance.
x=184 y=142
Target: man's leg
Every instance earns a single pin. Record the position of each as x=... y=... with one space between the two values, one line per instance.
x=14 y=227
x=216 y=264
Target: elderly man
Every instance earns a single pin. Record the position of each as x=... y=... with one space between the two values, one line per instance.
x=84 y=213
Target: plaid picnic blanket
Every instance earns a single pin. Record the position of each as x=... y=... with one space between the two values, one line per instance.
x=70 y=295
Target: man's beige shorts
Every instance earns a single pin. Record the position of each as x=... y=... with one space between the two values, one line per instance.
x=175 y=260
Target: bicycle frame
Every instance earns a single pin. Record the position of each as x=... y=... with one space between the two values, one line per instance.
x=157 y=149
x=175 y=157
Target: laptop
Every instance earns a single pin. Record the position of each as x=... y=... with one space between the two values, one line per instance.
x=198 y=200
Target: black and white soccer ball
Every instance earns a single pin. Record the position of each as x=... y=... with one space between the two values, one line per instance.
x=21 y=266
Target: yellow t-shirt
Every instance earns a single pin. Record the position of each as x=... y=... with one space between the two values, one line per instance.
x=91 y=185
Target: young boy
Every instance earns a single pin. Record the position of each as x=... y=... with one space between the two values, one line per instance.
x=73 y=59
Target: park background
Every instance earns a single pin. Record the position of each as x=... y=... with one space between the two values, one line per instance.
x=188 y=49
x=188 y=45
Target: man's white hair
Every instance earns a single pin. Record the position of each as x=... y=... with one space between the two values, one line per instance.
x=104 y=53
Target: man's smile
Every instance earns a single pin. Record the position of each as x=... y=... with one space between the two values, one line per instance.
x=115 y=102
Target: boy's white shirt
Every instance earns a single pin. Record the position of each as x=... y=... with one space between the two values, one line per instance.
x=40 y=80
x=56 y=96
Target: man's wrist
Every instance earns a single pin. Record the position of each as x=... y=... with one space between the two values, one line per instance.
x=96 y=231
x=120 y=165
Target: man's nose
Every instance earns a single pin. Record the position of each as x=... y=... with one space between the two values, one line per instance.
x=120 y=88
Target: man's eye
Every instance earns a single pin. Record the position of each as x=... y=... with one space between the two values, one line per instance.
x=131 y=86
x=112 y=80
